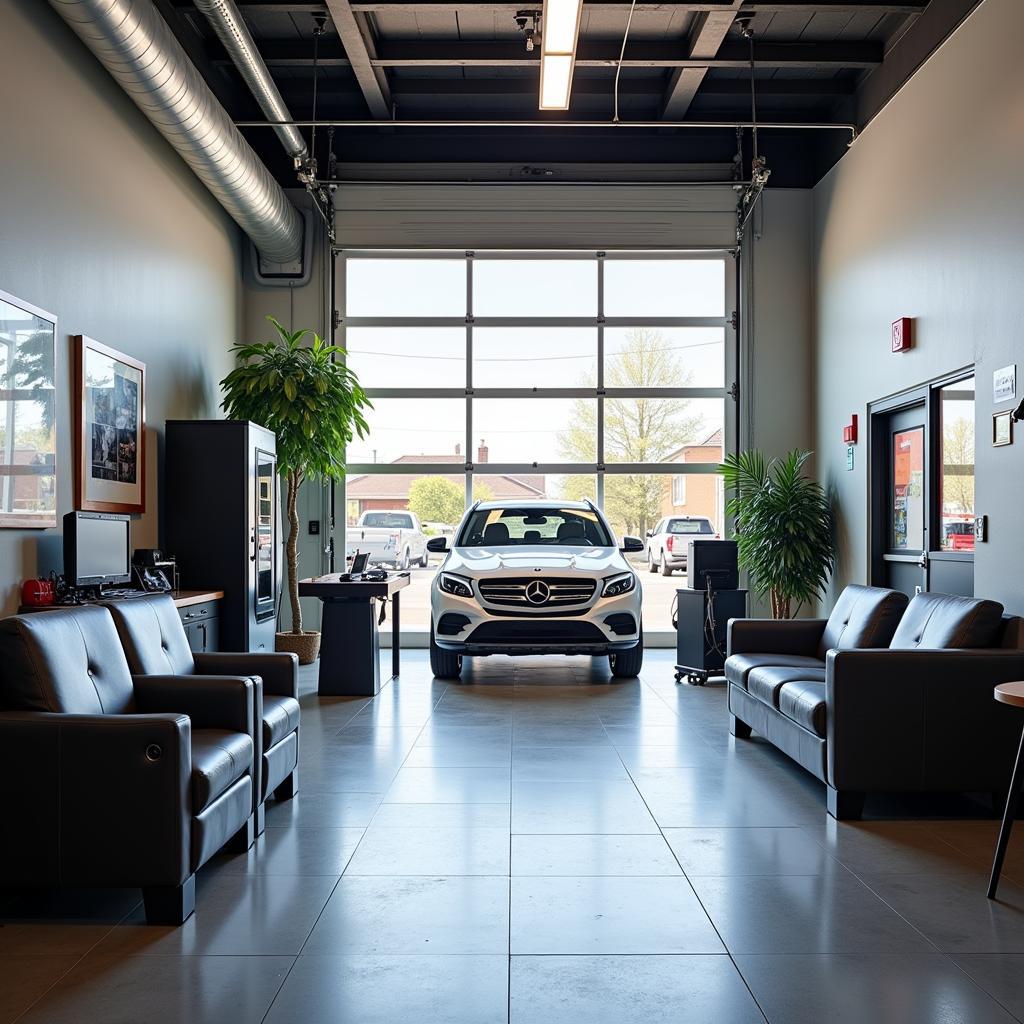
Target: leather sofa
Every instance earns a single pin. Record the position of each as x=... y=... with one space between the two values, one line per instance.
x=875 y=701
x=155 y=645
x=114 y=780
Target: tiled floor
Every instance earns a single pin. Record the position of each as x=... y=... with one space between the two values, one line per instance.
x=541 y=846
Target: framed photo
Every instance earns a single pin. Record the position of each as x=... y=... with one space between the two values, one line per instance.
x=28 y=415
x=1002 y=428
x=110 y=429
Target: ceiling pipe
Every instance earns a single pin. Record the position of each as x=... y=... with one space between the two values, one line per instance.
x=133 y=42
x=231 y=30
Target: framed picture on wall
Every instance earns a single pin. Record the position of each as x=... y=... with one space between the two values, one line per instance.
x=110 y=429
x=28 y=415
x=1002 y=428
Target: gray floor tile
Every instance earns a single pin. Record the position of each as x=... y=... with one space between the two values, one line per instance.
x=390 y=989
x=442 y=816
x=576 y=761
x=557 y=734
x=573 y=855
x=445 y=851
x=449 y=786
x=292 y=851
x=163 y=990
x=747 y=851
x=826 y=913
x=414 y=915
x=609 y=915
x=456 y=754
x=1001 y=975
x=629 y=990
x=867 y=989
x=62 y=922
x=323 y=810
x=26 y=978
x=596 y=806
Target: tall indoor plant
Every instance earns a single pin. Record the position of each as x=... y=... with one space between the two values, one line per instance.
x=783 y=523
x=313 y=403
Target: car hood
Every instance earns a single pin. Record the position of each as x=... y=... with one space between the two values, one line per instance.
x=516 y=560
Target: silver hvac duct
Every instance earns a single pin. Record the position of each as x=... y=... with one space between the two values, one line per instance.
x=133 y=42
x=231 y=30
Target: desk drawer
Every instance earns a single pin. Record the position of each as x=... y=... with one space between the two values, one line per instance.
x=198 y=612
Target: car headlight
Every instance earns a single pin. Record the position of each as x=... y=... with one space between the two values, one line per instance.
x=621 y=584
x=457 y=585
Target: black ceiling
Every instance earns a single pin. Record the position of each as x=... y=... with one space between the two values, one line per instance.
x=466 y=59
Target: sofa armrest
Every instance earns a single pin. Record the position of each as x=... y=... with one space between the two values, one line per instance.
x=920 y=719
x=98 y=799
x=279 y=671
x=775 y=636
x=212 y=702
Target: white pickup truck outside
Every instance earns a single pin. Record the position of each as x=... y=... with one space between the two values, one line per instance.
x=390 y=537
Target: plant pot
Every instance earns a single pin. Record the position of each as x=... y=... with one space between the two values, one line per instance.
x=305 y=645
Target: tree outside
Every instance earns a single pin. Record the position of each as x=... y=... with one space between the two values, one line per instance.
x=439 y=499
x=635 y=430
x=958 y=467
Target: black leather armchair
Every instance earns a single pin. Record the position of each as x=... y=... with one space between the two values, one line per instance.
x=156 y=647
x=891 y=706
x=120 y=782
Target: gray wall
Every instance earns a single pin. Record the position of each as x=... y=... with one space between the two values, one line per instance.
x=923 y=218
x=104 y=226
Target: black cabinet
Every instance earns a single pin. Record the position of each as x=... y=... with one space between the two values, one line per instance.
x=222 y=523
x=202 y=626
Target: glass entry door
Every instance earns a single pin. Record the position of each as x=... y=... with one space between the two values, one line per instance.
x=906 y=488
x=264 y=540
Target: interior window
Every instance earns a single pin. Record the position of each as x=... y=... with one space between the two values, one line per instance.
x=956 y=479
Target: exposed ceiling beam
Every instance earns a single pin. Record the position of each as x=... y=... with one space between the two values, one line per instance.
x=708 y=33
x=360 y=48
x=499 y=53
x=678 y=6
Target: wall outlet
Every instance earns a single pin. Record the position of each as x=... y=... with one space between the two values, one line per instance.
x=314 y=527
x=980 y=529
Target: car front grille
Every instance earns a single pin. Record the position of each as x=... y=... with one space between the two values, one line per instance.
x=527 y=592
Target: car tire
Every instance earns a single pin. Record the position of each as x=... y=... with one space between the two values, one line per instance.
x=627 y=664
x=652 y=565
x=665 y=570
x=403 y=565
x=424 y=560
x=444 y=664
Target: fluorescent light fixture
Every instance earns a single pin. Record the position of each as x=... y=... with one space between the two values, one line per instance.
x=559 y=36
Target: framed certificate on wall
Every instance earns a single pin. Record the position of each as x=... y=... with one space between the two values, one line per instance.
x=110 y=429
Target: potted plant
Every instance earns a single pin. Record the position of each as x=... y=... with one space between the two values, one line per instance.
x=313 y=403
x=783 y=528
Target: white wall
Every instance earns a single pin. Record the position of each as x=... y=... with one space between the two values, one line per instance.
x=103 y=225
x=923 y=218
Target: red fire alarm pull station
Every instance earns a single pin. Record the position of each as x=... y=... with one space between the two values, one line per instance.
x=850 y=431
x=902 y=335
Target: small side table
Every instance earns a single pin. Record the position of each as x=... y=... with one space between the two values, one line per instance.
x=1008 y=693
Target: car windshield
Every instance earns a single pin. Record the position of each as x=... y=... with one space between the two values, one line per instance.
x=689 y=526
x=564 y=527
x=389 y=520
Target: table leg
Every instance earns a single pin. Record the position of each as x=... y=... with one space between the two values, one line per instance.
x=395 y=628
x=1011 y=809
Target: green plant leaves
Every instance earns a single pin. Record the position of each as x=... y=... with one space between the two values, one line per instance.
x=784 y=526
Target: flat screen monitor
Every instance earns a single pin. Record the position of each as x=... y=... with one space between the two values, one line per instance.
x=97 y=548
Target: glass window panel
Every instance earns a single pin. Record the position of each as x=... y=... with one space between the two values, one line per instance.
x=663 y=430
x=408 y=357
x=907 y=499
x=411 y=287
x=528 y=357
x=664 y=287
x=413 y=430
x=535 y=288
x=956 y=483
x=533 y=486
x=664 y=357
x=536 y=429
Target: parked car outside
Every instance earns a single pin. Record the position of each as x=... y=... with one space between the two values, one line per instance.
x=669 y=541
x=391 y=537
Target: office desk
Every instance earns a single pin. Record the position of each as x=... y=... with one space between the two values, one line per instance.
x=349 y=641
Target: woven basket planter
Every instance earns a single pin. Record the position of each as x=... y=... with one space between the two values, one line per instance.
x=305 y=645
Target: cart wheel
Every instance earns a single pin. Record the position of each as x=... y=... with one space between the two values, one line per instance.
x=679 y=678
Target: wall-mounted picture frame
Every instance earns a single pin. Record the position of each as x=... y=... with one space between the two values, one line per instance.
x=28 y=415
x=110 y=429
x=1002 y=428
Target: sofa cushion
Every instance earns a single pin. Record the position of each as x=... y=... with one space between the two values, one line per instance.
x=803 y=701
x=219 y=759
x=280 y=717
x=765 y=682
x=739 y=666
x=152 y=636
x=940 y=621
x=862 y=617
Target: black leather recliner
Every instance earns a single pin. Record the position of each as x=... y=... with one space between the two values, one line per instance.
x=121 y=781
x=879 y=698
x=155 y=644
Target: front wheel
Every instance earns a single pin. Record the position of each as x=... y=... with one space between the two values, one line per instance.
x=627 y=664
x=444 y=664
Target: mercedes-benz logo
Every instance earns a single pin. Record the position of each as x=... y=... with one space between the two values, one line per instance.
x=537 y=592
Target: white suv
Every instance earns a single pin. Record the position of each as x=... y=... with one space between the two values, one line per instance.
x=538 y=577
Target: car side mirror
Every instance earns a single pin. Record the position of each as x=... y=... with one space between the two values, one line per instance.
x=632 y=544
x=650 y=533
x=439 y=544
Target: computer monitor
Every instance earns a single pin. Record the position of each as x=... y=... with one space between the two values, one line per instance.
x=97 y=549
